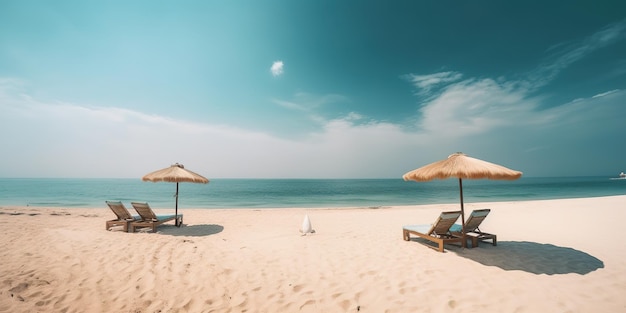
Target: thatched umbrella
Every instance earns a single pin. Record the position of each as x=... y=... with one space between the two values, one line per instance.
x=462 y=167
x=176 y=173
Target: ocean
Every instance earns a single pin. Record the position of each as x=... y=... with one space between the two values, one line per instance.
x=299 y=193
x=302 y=193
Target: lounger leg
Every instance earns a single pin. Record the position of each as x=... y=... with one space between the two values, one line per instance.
x=485 y=236
x=405 y=235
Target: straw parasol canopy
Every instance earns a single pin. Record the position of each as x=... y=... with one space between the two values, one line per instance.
x=461 y=166
x=176 y=173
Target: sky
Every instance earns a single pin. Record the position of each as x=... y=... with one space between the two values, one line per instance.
x=310 y=89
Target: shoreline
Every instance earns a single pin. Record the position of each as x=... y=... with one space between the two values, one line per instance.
x=552 y=256
x=450 y=205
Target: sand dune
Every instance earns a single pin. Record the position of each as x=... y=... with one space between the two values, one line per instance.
x=552 y=256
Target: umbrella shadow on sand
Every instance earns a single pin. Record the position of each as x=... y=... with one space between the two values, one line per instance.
x=191 y=230
x=533 y=258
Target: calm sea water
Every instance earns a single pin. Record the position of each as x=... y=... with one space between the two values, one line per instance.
x=305 y=193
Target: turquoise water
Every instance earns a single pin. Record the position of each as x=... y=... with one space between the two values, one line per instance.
x=305 y=193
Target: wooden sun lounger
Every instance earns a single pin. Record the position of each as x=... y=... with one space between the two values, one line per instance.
x=472 y=231
x=123 y=216
x=439 y=232
x=151 y=220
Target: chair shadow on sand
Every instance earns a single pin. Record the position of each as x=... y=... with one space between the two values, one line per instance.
x=191 y=230
x=533 y=258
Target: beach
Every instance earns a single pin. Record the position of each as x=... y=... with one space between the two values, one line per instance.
x=562 y=255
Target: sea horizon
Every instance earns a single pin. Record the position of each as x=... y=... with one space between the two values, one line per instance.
x=295 y=192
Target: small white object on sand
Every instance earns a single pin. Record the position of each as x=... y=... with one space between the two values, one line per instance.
x=306 y=226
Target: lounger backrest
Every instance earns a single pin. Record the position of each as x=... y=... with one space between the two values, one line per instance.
x=119 y=209
x=444 y=222
x=144 y=210
x=474 y=220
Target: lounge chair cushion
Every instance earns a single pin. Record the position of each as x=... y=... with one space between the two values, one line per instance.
x=456 y=228
x=424 y=228
x=166 y=217
x=471 y=228
x=439 y=232
x=150 y=219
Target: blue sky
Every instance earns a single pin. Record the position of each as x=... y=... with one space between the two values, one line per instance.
x=310 y=89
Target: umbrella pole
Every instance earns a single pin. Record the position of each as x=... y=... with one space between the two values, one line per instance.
x=462 y=213
x=177 y=205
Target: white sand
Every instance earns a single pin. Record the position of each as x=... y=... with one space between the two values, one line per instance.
x=552 y=256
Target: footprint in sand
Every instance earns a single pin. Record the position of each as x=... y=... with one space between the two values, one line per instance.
x=452 y=304
x=59 y=213
x=41 y=303
x=19 y=288
x=309 y=302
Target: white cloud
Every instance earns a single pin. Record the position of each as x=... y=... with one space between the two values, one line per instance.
x=603 y=94
x=309 y=104
x=72 y=140
x=510 y=118
x=427 y=82
x=565 y=55
x=474 y=106
x=290 y=105
x=353 y=116
x=277 y=68
x=482 y=118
